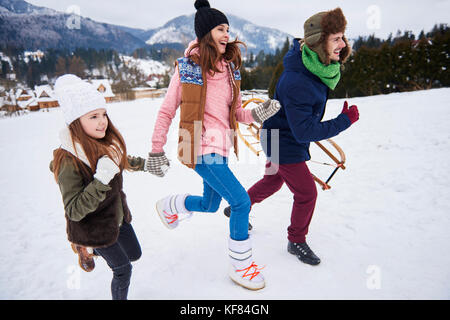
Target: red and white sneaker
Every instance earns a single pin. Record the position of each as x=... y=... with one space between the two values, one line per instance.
x=171 y=208
x=243 y=269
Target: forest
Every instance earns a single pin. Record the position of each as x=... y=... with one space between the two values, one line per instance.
x=404 y=62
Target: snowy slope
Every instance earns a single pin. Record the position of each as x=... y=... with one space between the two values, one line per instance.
x=181 y=30
x=381 y=231
x=146 y=66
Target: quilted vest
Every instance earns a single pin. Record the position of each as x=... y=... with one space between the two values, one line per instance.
x=192 y=108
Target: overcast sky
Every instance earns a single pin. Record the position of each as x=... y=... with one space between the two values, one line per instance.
x=364 y=17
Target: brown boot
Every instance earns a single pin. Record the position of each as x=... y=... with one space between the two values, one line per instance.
x=85 y=259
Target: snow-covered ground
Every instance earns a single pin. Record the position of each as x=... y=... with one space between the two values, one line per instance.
x=382 y=231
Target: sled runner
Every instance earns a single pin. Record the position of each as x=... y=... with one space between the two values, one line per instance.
x=250 y=135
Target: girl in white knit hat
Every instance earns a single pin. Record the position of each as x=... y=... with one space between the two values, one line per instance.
x=88 y=169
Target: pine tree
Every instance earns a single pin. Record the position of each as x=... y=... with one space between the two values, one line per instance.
x=61 y=66
x=77 y=66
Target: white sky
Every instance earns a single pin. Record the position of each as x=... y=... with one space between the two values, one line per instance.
x=364 y=17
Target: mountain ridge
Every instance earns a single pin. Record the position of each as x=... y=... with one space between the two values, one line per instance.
x=32 y=27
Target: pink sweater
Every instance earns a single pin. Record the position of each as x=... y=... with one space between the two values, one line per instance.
x=216 y=133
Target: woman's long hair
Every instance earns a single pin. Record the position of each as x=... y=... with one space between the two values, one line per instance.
x=209 y=55
x=112 y=145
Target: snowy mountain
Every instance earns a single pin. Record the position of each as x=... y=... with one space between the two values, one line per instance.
x=181 y=30
x=32 y=27
x=23 y=7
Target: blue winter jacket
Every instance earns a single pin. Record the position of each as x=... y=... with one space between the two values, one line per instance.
x=303 y=97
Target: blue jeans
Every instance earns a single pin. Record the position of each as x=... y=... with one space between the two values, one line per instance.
x=219 y=182
x=118 y=257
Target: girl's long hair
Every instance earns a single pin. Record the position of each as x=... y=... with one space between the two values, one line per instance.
x=112 y=145
x=208 y=54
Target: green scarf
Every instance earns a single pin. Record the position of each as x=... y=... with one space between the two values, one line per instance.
x=329 y=74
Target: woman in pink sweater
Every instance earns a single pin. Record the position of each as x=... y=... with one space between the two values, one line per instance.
x=211 y=64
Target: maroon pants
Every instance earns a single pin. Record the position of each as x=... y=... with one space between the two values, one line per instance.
x=299 y=180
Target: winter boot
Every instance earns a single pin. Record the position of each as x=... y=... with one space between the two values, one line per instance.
x=85 y=257
x=170 y=208
x=243 y=270
x=227 y=212
x=303 y=252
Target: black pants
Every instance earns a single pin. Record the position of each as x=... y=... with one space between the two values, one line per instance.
x=119 y=257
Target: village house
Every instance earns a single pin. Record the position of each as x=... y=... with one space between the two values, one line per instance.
x=10 y=104
x=25 y=99
x=145 y=92
x=31 y=104
x=24 y=94
x=153 y=80
x=104 y=87
x=45 y=97
x=35 y=56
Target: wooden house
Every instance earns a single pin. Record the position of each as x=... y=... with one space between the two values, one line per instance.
x=140 y=93
x=45 y=97
x=104 y=87
x=24 y=94
x=10 y=103
x=31 y=105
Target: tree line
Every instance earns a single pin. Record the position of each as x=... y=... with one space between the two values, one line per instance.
x=404 y=63
x=401 y=63
x=82 y=62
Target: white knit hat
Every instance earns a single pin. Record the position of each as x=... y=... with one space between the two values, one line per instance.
x=77 y=97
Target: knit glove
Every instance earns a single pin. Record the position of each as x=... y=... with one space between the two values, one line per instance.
x=352 y=112
x=157 y=164
x=264 y=111
x=106 y=170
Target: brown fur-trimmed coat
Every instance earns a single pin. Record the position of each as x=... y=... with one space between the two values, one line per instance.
x=93 y=211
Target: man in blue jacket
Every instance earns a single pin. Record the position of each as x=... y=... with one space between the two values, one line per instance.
x=311 y=68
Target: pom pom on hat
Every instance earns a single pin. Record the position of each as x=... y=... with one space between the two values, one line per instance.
x=201 y=4
x=77 y=97
x=207 y=18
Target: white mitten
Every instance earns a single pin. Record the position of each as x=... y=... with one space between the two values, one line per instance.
x=106 y=170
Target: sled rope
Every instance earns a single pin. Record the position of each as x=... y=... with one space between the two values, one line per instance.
x=253 y=131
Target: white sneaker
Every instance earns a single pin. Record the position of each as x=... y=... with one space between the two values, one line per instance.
x=170 y=208
x=243 y=269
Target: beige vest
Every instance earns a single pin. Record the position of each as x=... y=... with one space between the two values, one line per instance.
x=193 y=99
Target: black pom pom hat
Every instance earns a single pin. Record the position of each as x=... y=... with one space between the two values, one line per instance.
x=207 y=18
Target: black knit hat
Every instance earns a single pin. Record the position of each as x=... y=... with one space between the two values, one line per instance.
x=207 y=18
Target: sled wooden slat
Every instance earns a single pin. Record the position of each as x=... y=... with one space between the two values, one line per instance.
x=254 y=130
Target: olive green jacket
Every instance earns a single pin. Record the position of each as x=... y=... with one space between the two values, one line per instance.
x=80 y=199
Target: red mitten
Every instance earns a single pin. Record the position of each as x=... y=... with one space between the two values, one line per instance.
x=352 y=112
